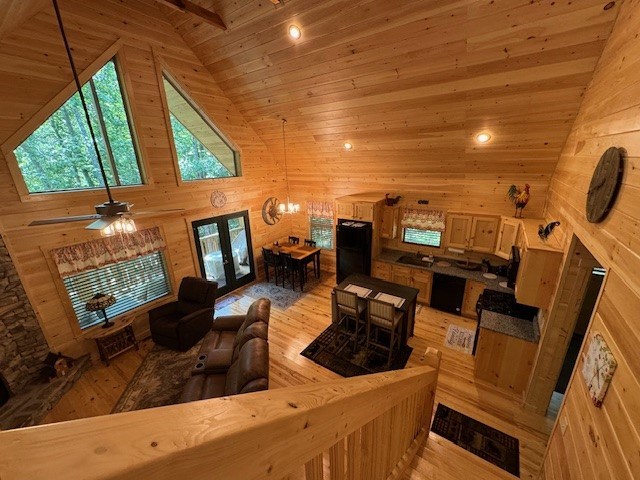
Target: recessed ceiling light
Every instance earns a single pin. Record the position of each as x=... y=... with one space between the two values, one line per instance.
x=295 y=32
x=347 y=146
x=483 y=137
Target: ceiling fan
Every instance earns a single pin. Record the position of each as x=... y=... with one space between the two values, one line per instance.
x=112 y=216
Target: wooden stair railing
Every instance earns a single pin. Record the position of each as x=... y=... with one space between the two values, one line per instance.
x=367 y=427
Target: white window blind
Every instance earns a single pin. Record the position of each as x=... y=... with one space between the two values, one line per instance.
x=430 y=238
x=133 y=283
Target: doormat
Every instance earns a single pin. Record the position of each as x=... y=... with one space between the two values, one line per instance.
x=460 y=338
x=482 y=440
x=159 y=380
x=340 y=358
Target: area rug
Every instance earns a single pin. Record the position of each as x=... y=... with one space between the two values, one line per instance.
x=340 y=358
x=282 y=297
x=159 y=380
x=482 y=440
x=226 y=301
x=460 y=338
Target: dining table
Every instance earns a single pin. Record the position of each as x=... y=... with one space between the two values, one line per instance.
x=301 y=255
x=403 y=297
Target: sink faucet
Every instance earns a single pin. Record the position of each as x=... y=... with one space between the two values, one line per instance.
x=418 y=254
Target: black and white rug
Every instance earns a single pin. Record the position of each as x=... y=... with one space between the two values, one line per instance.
x=339 y=356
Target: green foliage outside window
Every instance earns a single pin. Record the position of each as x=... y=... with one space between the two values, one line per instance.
x=60 y=155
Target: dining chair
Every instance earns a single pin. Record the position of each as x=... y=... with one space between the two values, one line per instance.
x=294 y=240
x=311 y=259
x=349 y=306
x=290 y=269
x=270 y=259
x=383 y=316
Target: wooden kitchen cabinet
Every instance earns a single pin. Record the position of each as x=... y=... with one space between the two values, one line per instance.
x=484 y=231
x=363 y=211
x=539 y=266
x=422 y=280
x=507 y=236
x=402 y=275
x=344 y=210
x=389 y=224
x=362 y=206
x=383 y=270
x=503 y=360
x=472 y=291
x=476 y=233
x=458 y=231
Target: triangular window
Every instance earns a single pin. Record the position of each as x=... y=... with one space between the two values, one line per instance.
x=60 y=155
x=202 y=152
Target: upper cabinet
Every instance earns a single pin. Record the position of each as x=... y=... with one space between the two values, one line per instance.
x=359 y=207
x=389 y=224
x=476 y=233
x=539 y=265
x=508 y=232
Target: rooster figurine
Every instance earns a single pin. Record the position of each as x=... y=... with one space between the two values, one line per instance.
x=391 y=201
x=520 y=198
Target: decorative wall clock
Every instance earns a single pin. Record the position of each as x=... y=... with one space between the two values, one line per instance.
x=218 y=199
x=270 y=213
x=598 y=368
x=605 y=184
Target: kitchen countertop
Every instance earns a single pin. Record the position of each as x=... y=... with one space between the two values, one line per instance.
x=392 y=256
x=515 y=327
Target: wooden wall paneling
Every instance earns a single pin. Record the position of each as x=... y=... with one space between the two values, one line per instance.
x=608 y=438
x=93 y=28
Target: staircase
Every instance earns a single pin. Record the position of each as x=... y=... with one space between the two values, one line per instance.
x=366 y=427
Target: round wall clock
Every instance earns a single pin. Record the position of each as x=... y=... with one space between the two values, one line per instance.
x=218 y=199
x=270 y=213
x=605 y=184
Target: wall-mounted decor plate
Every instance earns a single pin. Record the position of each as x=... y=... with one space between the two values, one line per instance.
x=605 y=184
x=270 y=213
x=218 y=199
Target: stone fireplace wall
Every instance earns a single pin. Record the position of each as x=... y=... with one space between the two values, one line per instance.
x=22 y=344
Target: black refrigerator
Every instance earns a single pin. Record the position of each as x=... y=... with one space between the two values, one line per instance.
x=353 y=248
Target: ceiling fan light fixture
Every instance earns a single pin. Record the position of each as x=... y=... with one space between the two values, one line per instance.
x=120 y=226
x=295 y=32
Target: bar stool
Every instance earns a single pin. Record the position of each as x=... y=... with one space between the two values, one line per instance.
x=383 y=316
x=349 y=305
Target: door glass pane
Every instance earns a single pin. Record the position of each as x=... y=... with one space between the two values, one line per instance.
x=209 y=238
x=239 y=250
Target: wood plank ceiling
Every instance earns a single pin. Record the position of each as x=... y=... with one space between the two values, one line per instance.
x=409 y=84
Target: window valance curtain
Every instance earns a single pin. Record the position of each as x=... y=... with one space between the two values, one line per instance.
x=423 y=219
x=320 y=209
x=85 y=256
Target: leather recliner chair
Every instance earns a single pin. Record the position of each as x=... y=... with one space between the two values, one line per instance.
x=181 y=324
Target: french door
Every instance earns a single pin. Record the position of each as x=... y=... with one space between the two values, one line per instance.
x=224 y=250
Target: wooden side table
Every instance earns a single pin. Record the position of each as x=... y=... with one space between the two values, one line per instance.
x=114 y=340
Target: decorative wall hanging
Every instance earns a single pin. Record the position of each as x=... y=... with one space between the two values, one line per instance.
x=270 y=213
x=218 y=199
x=519 y=198
x=597 y=370
x=605 y=185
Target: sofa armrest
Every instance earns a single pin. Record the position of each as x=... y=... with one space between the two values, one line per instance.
x=163 y=310
x=216 y=361
x=228 y=322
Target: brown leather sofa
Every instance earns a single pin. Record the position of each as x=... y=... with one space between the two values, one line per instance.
x=181 y=324
x=234 y=357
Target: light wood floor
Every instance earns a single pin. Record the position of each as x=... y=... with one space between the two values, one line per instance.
x=291 y=330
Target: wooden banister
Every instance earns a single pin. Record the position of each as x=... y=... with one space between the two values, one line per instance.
x=363 y=425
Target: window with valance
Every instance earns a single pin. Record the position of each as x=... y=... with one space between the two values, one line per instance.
x=422 y=227
x=130 y=267
x=321 y=223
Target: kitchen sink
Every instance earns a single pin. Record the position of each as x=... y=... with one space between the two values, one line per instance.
x=413 y=260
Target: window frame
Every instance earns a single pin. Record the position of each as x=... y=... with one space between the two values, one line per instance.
x=422 y=244
x=54 y=104
x=163 y=72
x=169 y=292
x=331 y=227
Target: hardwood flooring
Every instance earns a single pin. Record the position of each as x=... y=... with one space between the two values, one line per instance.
x=291 y=330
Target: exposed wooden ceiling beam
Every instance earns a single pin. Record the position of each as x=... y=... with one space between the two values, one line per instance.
x=187 y=6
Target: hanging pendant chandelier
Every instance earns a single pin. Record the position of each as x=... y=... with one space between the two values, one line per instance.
x=288 y=207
